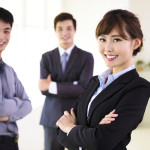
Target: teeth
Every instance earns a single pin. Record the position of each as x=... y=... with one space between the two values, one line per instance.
x=110 y=56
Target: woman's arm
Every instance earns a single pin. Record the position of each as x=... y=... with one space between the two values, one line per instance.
x=109 y=118
x=67 y=121
x=130 y=109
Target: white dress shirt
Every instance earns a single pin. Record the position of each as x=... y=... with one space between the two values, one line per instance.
x=53 y=85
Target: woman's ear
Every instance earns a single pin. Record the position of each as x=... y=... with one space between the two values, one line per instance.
x=136 y=43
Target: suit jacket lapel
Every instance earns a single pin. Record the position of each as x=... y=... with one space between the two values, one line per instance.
x=57 y=61
x=72 y=59
x=94 y=84
x=113 y=88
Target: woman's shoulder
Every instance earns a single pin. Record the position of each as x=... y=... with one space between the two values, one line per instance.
x=143 y=81
x=142 y=84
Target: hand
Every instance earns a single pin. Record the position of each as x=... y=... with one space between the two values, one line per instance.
x=44 y=83
x=109 y=118
x=4 y=119
x=67 y=121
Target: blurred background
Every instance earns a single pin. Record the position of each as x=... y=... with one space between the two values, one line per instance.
x=33 y=34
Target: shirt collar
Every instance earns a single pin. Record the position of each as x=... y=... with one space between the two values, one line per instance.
x=2 y=65
x=102 y=77
x=1 y=61
x=108 y=73
x=123 y=71
x=68 y=50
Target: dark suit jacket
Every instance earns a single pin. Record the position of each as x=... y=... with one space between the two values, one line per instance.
x=79 y=68
x=128 y=94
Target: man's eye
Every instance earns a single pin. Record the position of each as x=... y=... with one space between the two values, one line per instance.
x=6 y=32
x=59 y=29
x=69 y=29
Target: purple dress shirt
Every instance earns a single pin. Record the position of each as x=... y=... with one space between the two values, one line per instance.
x=16 y=106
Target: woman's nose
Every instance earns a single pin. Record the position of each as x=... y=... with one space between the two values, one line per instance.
x=108 y=46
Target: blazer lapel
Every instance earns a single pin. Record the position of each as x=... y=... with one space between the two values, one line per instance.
x=72 y=59
x=113 y=88
x=57 y=62
x=94 y=84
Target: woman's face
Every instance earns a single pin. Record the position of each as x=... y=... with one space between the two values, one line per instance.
x=117 y=51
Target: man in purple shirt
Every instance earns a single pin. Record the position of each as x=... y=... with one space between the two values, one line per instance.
x=14 y=102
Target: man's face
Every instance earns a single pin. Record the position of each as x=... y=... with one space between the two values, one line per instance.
x=5 y=30
x=65 y=33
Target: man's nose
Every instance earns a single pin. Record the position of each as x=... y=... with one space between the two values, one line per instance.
x=1 y=35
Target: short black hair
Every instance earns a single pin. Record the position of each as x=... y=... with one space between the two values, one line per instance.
x=6 y=16
x=64 y=16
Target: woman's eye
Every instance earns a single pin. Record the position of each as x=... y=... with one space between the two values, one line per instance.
x=117 y=40
x=102 y=39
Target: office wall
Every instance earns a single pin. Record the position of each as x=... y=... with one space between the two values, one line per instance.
x=142 y=10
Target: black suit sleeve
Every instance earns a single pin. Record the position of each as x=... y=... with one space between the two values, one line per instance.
x=44 y=71
x=130 y=112
x=68 y=89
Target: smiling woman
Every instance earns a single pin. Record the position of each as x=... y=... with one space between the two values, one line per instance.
x=113 y=105
x=117 y=51
x=119 y=38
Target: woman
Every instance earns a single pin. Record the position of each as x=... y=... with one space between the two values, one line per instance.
x=118 y=90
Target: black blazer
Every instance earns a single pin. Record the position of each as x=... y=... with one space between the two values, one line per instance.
x=128 y=94
x=79 y=68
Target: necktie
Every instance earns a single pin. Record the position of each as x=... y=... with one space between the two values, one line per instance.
x=64 y=61
x=5 y=89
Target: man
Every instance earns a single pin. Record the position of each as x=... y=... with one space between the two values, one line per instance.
x=64 y=72
x=14 y=102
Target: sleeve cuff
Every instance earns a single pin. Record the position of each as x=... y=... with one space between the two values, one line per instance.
x=53 y=88
x=75 y=82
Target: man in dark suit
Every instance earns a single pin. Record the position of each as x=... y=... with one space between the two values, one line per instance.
x=64 y=74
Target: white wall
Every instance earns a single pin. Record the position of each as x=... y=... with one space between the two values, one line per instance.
x=142 y=10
